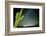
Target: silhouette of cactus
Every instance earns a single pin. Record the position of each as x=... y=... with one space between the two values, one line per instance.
x=18 y=17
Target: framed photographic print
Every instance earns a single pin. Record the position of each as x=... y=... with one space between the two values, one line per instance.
x=24 y=17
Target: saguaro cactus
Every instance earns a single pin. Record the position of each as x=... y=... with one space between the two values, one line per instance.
x=18 y=17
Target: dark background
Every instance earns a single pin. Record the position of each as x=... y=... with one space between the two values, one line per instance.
x=31 y=17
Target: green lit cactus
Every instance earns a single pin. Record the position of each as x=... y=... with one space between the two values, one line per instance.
x=18 y=17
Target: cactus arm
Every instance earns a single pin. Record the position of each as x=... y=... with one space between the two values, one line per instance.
x=17 y=14
x=21 y=11
x=22 y=17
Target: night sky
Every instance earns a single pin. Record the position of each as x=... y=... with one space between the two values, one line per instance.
x=31 y=17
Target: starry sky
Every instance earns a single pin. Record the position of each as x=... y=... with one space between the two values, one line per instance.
x=31 y=17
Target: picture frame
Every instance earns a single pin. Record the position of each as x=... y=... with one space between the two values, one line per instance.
x=9 y=30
